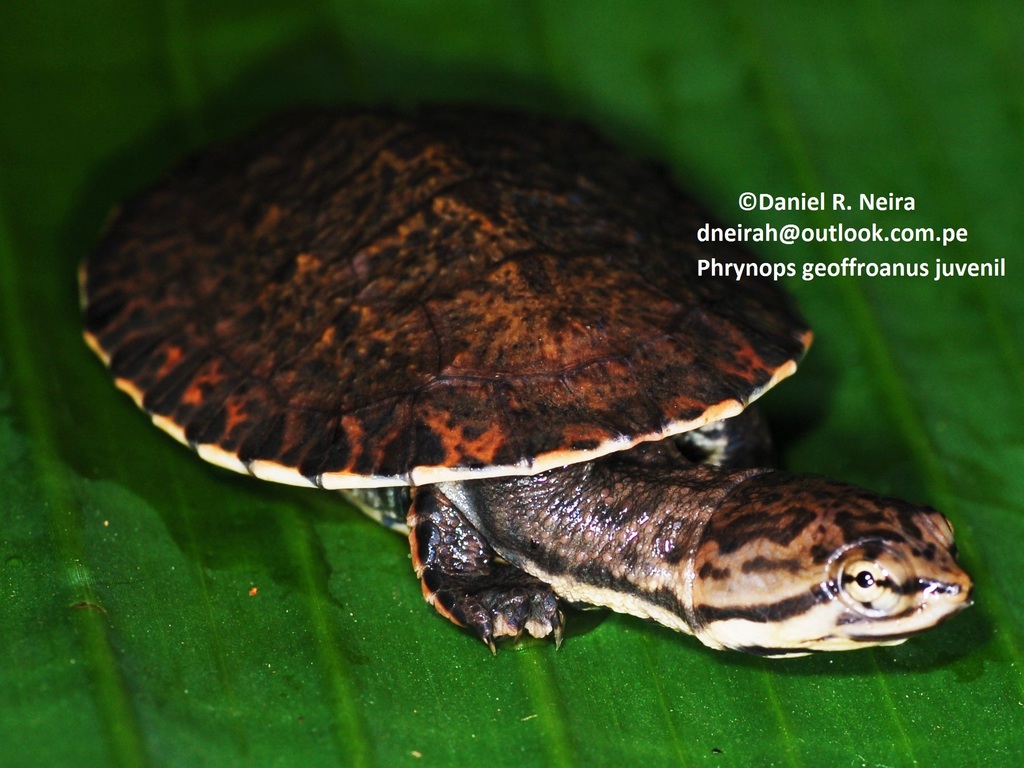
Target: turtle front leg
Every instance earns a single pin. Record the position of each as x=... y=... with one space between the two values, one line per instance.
x=467 y=581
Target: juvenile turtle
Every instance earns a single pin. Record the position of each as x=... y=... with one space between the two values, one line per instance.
x=490 y=331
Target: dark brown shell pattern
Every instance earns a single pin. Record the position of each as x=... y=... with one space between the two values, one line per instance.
x=353 y=299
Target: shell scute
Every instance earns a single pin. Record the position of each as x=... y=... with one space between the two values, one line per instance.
x=354 y=299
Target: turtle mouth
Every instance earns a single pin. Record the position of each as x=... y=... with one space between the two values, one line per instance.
x=947 y=601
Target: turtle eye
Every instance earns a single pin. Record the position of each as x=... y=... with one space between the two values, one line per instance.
x=869 y=580
x=870 y=584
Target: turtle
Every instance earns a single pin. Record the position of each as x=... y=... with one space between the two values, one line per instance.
x=490 y=330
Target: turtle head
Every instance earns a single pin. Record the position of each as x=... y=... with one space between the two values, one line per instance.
x=792 y=564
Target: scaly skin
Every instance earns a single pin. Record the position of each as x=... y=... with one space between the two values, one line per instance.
x=754 y=560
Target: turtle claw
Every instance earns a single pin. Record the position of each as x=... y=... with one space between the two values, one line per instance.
x=498 y=612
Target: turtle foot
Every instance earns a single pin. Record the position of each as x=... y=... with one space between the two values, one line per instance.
x=469 y=584
x=521 y=605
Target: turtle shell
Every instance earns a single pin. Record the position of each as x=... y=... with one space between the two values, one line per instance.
x=357 y=299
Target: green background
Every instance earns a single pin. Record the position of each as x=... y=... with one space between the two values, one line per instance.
x=128 y=635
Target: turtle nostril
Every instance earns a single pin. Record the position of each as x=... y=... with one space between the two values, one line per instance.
x=950 y=590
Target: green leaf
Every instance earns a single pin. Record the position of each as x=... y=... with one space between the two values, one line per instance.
x=158 y=611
